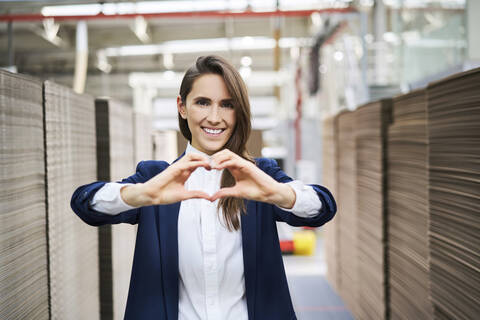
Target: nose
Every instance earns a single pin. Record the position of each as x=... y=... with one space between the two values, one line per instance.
x=214 y=114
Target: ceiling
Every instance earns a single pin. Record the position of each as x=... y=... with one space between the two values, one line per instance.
x=46 y=47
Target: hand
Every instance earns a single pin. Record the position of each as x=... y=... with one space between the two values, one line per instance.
x=169 y=185
x=251 y=182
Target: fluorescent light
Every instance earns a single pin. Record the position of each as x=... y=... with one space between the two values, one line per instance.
x=205 y=45
x=72 y=10
x=144 y=7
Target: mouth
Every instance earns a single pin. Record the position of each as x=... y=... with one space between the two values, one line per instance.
x=212 y=131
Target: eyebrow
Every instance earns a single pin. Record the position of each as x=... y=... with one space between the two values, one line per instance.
x=205 y=98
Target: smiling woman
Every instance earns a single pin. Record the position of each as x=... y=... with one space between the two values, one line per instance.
x=207 y=244
x=214 y=113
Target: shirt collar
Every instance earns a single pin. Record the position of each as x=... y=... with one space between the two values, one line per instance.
x=192 y=149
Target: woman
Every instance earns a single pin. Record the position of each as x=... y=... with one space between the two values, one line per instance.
x=207 y=244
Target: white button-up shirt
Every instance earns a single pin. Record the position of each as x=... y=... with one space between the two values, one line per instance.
x=211 y=275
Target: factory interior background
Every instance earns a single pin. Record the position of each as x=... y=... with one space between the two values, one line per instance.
x=377 y=100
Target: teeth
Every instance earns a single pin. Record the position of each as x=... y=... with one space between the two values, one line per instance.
x=213 y=131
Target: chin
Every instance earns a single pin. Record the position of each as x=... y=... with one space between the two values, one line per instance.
x=214 y=147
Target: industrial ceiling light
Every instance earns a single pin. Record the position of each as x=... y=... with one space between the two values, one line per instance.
x=338 y=55
x=168 y=61
x=102 y=62
x=72 y=10
x=140 y=28
x=246 y=61
x=146 y=7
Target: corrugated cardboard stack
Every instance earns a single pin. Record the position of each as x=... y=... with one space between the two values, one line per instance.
x=143 y=138
x=114 y=125
x=330 y=175
x=408 y=208
x=165 y=146
x=371 y=124
x=71 y=161
x=23 y=229
x=347 y=209
x=454 y=195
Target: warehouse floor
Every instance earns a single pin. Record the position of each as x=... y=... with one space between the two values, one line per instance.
x=312 y=296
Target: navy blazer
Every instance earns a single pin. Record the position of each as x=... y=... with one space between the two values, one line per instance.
x=153 y=292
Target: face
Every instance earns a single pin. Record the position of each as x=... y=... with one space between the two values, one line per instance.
x=210 y=113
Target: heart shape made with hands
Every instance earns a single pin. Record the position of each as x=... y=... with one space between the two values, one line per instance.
x=250 y=182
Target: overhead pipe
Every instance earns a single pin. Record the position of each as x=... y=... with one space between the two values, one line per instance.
x=81 y=58
x=169 y=15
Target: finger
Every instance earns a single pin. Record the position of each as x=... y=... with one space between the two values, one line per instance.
x=225 y=192
x=191 y=166
x=229 y=164
x=221 y=156
x=196 y=194
x=224 y=158
x=223 y=151
x=196 y=156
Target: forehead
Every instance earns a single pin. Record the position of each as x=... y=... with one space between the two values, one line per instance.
x=210 y=86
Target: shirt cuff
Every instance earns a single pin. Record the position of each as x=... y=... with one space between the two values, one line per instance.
x=108 y=200
x=307 y=204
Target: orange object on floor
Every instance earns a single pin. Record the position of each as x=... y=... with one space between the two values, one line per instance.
x=287 y=246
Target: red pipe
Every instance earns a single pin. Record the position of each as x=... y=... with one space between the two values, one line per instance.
x=198 y=14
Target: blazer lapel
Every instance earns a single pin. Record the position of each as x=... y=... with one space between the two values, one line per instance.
x=250 y=223
x=167 y=226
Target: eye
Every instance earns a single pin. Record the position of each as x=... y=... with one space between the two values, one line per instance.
x=202 y=102
x=227 y=104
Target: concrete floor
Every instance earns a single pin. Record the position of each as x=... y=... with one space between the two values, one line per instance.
x=312 y=296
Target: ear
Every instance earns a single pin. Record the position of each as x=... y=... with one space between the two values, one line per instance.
x=182 y=109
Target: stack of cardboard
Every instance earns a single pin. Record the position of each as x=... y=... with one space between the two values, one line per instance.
x=115 y=155
x=371 y=125
x=23 y=229
x=408 y=208
x=454 y=195
x=143 y=137
x=347 y=209
x=330 y=172
x=71 y=161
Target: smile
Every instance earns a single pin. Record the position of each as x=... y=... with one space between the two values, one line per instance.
x=213 y=132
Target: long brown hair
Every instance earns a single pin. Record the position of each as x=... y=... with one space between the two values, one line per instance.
x=231 y=207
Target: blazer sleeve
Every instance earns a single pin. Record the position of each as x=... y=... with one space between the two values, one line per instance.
x=82 y=196
x=326 y=212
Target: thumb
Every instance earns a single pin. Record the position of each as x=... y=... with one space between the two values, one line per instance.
x=196 y=194
x=225 y=192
